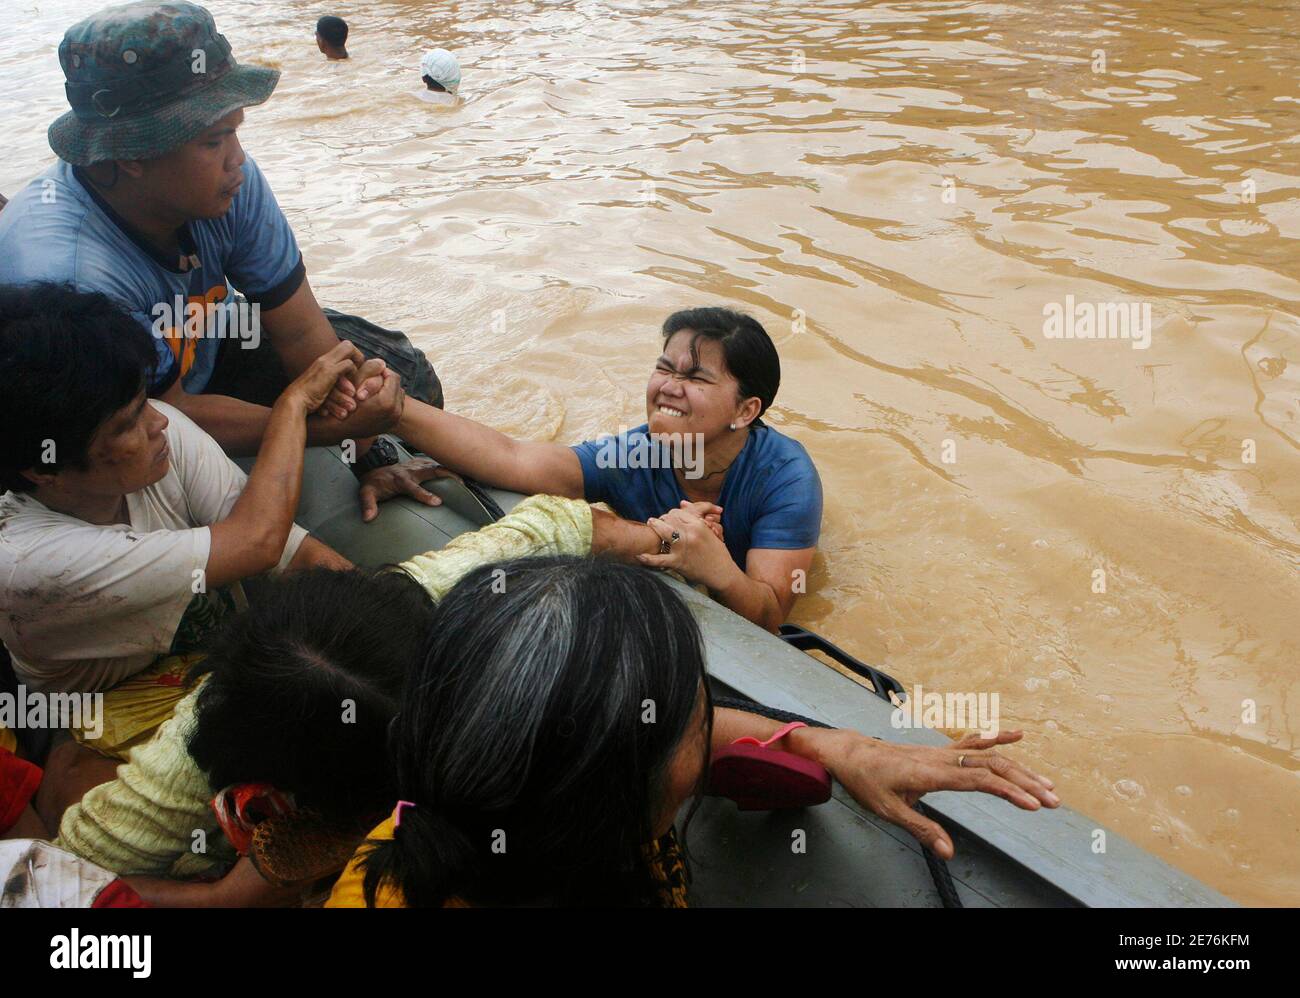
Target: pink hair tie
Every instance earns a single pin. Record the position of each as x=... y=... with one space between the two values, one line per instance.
x=397 y=812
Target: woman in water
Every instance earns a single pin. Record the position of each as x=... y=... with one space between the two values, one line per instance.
x=703 y=452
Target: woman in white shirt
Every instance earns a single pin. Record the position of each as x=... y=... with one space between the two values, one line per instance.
x=125 y=529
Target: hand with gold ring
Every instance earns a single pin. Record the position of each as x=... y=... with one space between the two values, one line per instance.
x=689 y=546
x=889 y=778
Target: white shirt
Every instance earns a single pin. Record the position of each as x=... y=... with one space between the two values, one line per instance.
x=85 y=606
x=439 y=97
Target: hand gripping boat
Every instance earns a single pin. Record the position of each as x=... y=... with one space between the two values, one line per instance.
x=836 y=854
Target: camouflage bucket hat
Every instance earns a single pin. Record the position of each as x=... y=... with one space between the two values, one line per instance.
x=144 y=78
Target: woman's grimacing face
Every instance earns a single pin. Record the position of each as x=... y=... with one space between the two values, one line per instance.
x=703 y=398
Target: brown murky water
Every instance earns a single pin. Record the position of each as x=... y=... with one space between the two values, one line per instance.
x=897 y=191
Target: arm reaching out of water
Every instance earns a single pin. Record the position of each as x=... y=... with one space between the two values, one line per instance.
x=481 y=452
x=888 y=778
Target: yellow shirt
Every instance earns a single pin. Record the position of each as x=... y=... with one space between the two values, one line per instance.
x=347 y=891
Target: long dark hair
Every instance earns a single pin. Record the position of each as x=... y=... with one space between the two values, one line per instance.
x=303 y=685
x=749 y=352
x=536 y=735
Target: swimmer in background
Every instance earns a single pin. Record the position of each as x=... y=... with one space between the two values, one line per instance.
x=441 y=74
x=332 y=37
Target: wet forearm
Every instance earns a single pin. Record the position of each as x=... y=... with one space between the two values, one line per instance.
x=824 y=745
x=251 y=538
x=748 y=597
x=616 y=537
x=160 y=892
x=270 y=497
x=490 y=456
x=461 y=444
x=299 y=346
x=242 y=887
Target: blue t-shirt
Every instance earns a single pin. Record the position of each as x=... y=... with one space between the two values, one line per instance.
x=58 y=229
x=771 y=495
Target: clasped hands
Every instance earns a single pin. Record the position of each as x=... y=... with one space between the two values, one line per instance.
x=691 y=544
x=363 y=396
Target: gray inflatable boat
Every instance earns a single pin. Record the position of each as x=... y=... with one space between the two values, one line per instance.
x=1005 y=857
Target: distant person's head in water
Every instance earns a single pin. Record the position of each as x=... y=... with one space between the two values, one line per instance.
x=440 y=71
x=332 y=36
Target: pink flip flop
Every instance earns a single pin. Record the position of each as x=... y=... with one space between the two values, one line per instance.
x=760 y=778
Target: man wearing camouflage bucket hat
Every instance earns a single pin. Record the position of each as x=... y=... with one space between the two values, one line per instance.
x=154 y=203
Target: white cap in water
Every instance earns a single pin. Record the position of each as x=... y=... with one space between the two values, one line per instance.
x=441 y=67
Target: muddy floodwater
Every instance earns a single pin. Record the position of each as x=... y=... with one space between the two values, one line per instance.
x=930 y=206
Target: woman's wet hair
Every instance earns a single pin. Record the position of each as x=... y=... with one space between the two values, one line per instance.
x=749 y=352
x=302 y=686
x=71 y=359
x=536 y=735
